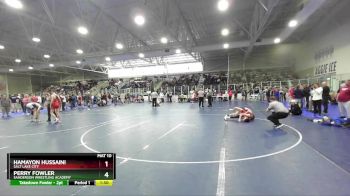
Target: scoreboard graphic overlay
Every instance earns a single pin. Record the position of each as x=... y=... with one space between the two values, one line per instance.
x=61 y=169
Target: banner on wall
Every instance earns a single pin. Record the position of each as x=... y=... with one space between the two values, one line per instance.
x=325 y=63
x=326 y=68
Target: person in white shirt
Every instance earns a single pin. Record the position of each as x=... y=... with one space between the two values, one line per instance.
x=39 y=99
x=34 y=110
x=161 y=96
x=316 y=94
x=279 y=112
x=122 y=98
x=201 y=97
x=64 y=101
x=154 y=96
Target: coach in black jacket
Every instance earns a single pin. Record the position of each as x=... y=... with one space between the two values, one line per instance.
x=325 y=97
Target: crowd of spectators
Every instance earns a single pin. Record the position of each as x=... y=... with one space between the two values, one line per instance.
x=261 y=75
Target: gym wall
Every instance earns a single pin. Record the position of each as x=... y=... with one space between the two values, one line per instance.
x=325 y=51
x=262 y=57
x=15 y=83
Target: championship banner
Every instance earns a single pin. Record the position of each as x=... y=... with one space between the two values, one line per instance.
x=324 y=60
x=326 y=68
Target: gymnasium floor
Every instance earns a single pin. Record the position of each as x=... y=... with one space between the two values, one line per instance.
x=179 y=149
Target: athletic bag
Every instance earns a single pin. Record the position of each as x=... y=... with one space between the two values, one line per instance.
x=295 y=109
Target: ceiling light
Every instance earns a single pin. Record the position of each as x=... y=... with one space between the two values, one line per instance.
x=78 y=62
x=108 y=58
x=119 y=46
x=79 y=51
x=226 y=45
x=141 y=55
x=293 y=23
x=225 y=32
x=2 y=47
x=36 y=39
x=18 y=60
x=139 y=20
x=222 y=5
x=164 y=40
x=51 y=65
x=14 y=3
x=10 y=70
x=30 y=67
x=46 y=56
x=277 y=40
x=83 y=30
x=177 y=51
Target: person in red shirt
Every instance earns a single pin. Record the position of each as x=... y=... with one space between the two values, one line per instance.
x=34 y=98
x=55 y=107
x=25 y=101
x=291 y=92
x=230 y=94
x=343 y=98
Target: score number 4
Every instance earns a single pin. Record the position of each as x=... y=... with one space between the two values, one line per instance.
x=106 y=174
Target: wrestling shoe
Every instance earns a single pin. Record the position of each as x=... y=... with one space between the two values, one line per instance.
x=279 y=126
x=226 y=117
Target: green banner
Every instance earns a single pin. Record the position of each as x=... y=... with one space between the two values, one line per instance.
x=39 y=182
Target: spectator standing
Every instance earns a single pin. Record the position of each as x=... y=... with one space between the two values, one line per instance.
x=244 y=95
x=18 y=103
x=13 y=99
x=64 y=101
x=200 y=97
x=276 y=93
x=210 y=97
x=154 y=96
x=230 y=94
x=325 y=97
x=298 y=94
x=316 y=94
x=39 y=100
x=268 y=94
x=48 y=106
x=343 y=98
x=282 y=96
x=122 y=98
x=25 y=101
x=306 y=93
x=5 y=104
x=161 y=95
x=291 y=93
x=285 y=90
x=170 y=97
x=33 y=98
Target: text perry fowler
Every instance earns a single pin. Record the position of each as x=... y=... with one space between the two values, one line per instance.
x=39 y=162
x=38 y=175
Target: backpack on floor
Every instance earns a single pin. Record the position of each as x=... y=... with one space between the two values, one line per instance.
x=295 y=109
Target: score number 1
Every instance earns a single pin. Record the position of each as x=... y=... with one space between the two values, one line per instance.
x=106 y=174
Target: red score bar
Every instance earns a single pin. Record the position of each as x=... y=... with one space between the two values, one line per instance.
x=70 y=165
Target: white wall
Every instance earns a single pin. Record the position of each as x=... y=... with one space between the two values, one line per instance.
x=332 y=31
x=262 y=57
